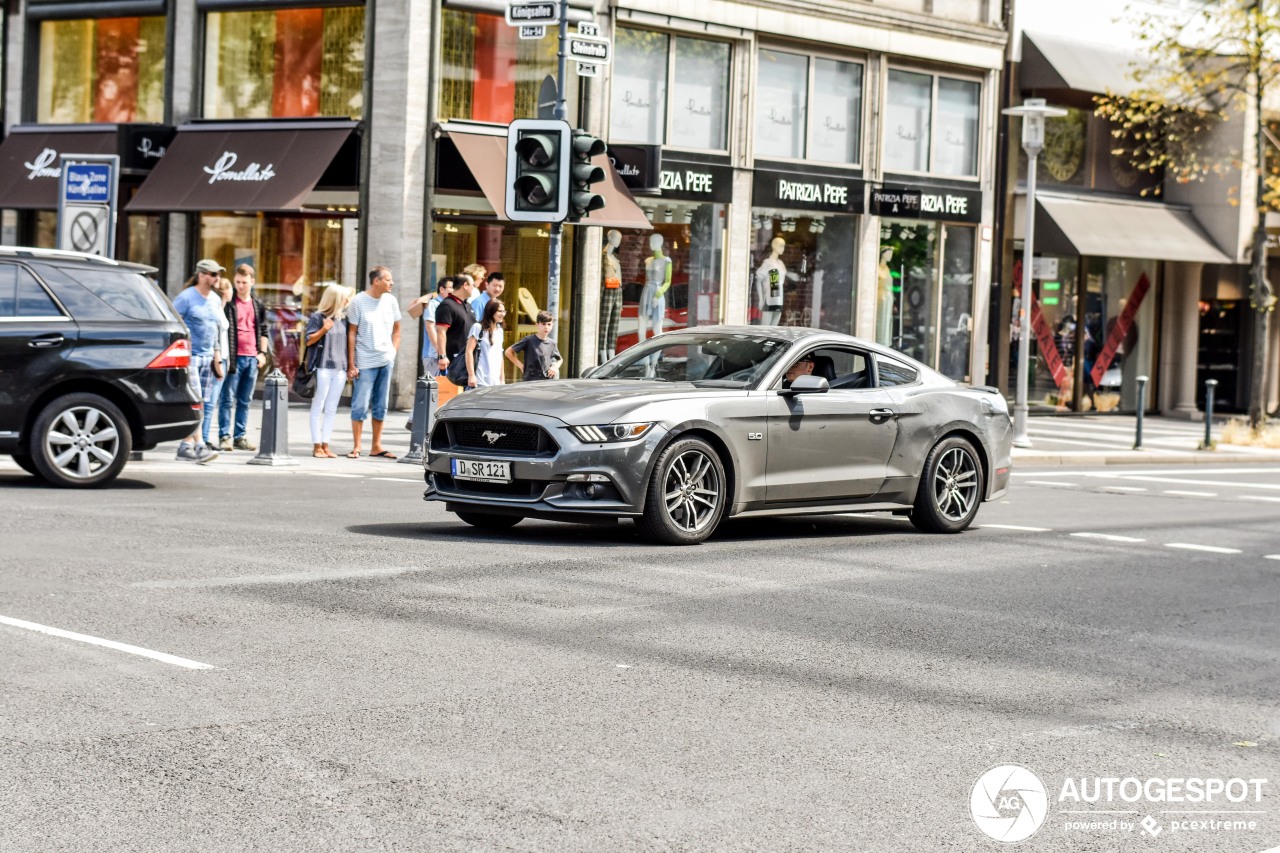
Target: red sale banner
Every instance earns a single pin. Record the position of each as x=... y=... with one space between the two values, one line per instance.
x=1120 y=328
x=1048 y=346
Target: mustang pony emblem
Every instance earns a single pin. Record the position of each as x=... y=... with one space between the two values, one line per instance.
x=491 y=436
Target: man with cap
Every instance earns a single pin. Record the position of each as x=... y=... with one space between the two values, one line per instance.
x=197 y=311
x=247 y=334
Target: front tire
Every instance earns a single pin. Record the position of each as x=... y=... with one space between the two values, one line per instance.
x=950 y=488
x=80 y=441
x=686 y=496
x=490 y=521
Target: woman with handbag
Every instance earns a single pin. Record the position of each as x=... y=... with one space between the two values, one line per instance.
x=326 y=356
x=218 y=297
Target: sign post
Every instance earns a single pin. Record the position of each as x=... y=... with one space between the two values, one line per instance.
x=87 y=203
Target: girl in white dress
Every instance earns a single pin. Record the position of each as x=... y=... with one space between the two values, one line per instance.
x=484 y=347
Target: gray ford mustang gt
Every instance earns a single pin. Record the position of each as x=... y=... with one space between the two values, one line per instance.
x=691 y=427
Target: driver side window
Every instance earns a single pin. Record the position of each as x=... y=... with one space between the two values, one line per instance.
x=844 y=369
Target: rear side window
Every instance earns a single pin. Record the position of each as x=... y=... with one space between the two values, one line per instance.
x=33 y=300
x=893 y=373
x=8 y=290
x=105 y=294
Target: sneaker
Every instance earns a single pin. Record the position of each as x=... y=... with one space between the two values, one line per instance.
x=225 y=443
x=243 y=444
x=204 y=454
x=187 y=453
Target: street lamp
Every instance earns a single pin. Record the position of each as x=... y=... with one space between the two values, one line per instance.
x=1033 y=112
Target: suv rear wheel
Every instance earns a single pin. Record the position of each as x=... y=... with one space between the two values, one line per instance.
x=80 y=441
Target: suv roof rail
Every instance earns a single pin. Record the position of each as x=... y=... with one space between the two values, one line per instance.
x=66 y=254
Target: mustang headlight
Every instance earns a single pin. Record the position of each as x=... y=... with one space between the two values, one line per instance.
x=608 y=433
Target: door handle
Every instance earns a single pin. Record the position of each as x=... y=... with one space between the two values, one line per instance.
x=881 y=414
x=46 y=341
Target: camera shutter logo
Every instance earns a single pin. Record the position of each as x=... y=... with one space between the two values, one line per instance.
x=1009 y=803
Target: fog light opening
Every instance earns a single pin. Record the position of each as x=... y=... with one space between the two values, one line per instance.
x=593 y=490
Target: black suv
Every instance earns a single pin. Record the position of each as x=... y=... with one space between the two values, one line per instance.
x=93 y=364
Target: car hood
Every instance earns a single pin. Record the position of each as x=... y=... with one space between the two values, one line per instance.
x=576 y=401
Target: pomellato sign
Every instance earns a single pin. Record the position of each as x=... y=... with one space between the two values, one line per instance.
x=831 y=193
x=223 y=170
x=44 y=165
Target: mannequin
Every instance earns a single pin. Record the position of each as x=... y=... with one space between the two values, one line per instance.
x=884 y=299
x=657 y=281
x=610 y=296
x=769 y=280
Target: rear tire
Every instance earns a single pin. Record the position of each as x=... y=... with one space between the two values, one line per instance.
x=80 y=441
x=26 y=464
x=490 y=521
x=686 y=496
x=951 y=488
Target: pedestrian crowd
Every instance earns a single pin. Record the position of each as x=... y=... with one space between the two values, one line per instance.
x=349 y=337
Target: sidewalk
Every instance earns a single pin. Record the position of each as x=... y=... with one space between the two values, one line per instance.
x=1108 y=440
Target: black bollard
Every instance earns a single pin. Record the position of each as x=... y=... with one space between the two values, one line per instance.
x=424 y=411
x=273 y=448
x=1142 y=405
x=1209 y=386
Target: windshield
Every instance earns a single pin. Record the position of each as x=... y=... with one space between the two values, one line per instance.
x=706 y=359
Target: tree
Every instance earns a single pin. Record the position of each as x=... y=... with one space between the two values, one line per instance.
x=1207 y=68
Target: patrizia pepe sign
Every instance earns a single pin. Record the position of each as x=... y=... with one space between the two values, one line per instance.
x=948 y=205
x=797 y=190
x=224 y=170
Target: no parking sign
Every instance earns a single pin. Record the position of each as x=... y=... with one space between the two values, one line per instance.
x=87 y=204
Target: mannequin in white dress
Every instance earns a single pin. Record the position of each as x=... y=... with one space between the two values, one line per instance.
x=768 y=283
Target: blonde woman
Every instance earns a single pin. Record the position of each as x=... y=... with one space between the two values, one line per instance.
x=218 y=297
x=327 y=354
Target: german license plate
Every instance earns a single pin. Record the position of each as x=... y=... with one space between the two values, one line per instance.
x=481 y=470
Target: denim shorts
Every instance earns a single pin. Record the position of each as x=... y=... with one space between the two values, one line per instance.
x=369 y=393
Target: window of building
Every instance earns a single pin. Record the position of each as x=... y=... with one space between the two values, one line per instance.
x=691 y=112
x=808 y=109
x=489 y=73
x=931 y=124
x=803 y=270
x=103 y=70
x=285 y=63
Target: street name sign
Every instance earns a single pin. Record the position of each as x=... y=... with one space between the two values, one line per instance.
x=532 y=32
x=589 y=50
x=533 y=13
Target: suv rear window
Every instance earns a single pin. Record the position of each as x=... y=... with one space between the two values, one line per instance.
x=105 y=294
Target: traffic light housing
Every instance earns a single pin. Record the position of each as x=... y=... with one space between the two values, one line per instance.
x=538 y=170
x=583 y=173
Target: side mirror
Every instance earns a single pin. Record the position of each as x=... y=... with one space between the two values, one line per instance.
x=806 y=385
x=586 y=374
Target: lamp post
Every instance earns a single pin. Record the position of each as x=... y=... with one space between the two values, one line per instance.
x=1033 y=112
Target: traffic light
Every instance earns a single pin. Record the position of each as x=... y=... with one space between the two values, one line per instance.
x=537 y=170
x=583 y=174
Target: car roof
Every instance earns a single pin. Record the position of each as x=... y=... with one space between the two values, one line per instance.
x=806 y=336
x=34 y=253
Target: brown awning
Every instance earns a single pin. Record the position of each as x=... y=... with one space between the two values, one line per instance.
x=30 y=161
x=256 y=166
x=486 y=157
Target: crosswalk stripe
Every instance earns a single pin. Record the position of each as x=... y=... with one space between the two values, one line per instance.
x=1110 y=537
x=1210 y=549
x=1015 y=527
x=1191 y=494
x=1051 y=483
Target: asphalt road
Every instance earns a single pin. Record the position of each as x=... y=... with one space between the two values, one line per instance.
x=383 y=678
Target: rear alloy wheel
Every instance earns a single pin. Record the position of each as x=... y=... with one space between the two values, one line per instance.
x=950 y=488
x=490 y=521
x=80 y=441
x=686 y=494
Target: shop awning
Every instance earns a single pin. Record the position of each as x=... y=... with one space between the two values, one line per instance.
x=30 y=161
x=255 y=166
x=485 y=155
x=1051 y=62
x=1120 y=229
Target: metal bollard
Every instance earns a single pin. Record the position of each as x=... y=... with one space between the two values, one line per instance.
x=273 y=448
x=424 y=412
x=1142 y=405
x=1209 y=386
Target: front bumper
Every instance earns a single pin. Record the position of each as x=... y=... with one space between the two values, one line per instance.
x=541 y=484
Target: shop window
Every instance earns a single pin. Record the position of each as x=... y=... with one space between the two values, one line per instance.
x=143 y=236
x=103 y=70
x=488 y=73
x=285 y=63
x=295 y=258
x=808 y=109
x=697 y=99
x=924 y=293
x=803 y=271
x=931 y=124
x=668 y=278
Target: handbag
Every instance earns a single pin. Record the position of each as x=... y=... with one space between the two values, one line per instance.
x=457 y=370
x=304 y=378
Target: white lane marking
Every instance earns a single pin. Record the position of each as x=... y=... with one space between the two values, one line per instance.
x=1191 y=494
x=1259 y=498
x=1272 y=557
x=329 y=474
x=1110 y=537
x=1123 y=489
x=1015 y=527
x=1242 y=469
x=109 y=644
x=397 y=480
x=1210 y=549
x=1138 y=478
x=1051 y=483
x=291 y=577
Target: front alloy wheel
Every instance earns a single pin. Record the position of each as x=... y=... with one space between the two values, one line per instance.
x=686 y=494
x=80 y=441
x=950 y=488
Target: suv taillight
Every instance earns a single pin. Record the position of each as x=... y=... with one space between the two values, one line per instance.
x=177 y=354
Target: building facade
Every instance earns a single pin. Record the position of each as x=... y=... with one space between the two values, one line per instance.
x=782 y=164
